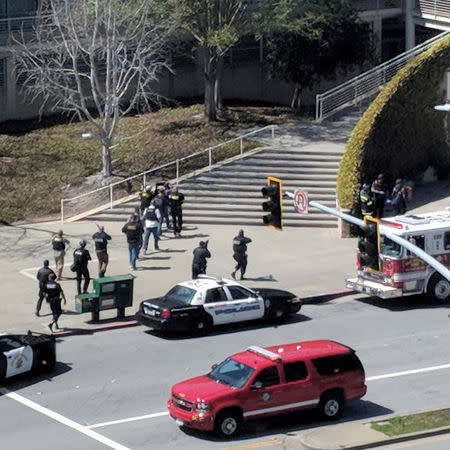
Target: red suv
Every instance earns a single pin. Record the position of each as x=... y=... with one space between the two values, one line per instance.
x=262 y=382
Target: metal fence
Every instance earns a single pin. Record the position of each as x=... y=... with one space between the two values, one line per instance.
x=368 y=83
x=113 y=194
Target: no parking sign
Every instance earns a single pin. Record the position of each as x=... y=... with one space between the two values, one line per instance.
x=301 y=201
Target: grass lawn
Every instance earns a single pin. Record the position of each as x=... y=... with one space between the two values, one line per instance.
x=42 y=162
x=414 y=422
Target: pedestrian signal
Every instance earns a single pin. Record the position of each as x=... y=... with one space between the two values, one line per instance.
x=369 y=244
x=273 y=191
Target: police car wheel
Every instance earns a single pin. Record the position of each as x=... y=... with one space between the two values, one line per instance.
x=201 y=326
x=48 y=360
x=227 y=424
x=2 y=367
x=438 y=290
x=279 y=313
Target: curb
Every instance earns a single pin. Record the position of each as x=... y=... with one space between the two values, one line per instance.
x=97 y=328
x=323 y=297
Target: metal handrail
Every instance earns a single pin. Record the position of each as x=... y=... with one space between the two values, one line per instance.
x=364 y=85
x=171 y=163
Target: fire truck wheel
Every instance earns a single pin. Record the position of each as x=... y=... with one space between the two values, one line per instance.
x=438 y=289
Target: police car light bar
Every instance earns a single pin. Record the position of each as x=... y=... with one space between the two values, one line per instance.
x=263 y=352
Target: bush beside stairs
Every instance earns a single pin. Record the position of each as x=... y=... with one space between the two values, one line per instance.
x=231 y=193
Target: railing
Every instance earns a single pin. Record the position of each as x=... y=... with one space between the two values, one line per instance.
x=11 y=25
x=371 y=5
x=118 y=190
x=368 y=83
x=436 y=8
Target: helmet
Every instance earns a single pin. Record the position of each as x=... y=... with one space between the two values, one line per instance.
x=365 y=186
x=83 y=243
x=380 y=176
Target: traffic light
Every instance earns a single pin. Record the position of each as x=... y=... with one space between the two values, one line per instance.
x=369 y=245
x=273 y=191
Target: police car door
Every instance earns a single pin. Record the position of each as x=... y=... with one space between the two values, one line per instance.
x=19 y=357
x=246 y=305
x=216 y=304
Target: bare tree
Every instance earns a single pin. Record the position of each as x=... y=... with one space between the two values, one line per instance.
x=97 y=59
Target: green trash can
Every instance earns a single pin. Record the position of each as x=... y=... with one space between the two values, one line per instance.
x=109 y=293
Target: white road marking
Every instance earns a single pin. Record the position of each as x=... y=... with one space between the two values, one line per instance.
x=374 y=378
x=64 y=420
x=408 y=372
x=130 y=419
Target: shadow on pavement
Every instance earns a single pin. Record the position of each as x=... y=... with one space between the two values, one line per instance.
x=228 y=329
x=153 y=268
x=402 y=303
x=261 y=278
x=29 y=379
x=295 y=422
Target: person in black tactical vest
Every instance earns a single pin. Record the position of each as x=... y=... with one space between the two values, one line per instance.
x=151 y=222
x=199 y=262
x=43 y=276
x=240 y=253
x=160 y=202
x=133 y=229
x=54 y=293
x=59 y=249
x=176 y=200
x=145 y=196
x=379 y=195
x=81 y=257
x=101 y=249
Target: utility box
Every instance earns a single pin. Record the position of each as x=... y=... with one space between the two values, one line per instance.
x=109 y=293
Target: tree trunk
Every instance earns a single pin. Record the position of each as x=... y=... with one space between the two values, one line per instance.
x=296 y=99
x=106 y=160
x=218 y=97
x=210 y=74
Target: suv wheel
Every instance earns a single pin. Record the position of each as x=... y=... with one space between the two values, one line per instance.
x=227 y=424
x=331 y=406
x=438 y=289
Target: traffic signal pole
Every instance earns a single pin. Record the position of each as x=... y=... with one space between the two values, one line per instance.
x=434 y=263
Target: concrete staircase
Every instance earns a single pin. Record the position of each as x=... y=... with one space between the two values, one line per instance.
x=231 y=193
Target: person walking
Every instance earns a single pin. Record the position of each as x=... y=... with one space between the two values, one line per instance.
x=101 y=249
x=199 y=262
x=151 y=222
x=240 y=253
x=81 y=257
x=133 y=229
x=145 y=197
x=43 y=276
x=176 y=200
x=379 y=193
x=160 y=202
x=54 y=293
x=59 y=249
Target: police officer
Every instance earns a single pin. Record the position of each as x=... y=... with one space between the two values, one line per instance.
x=43 y=276
x=81 y=257
x=199 y=261
x=240 y=253
x=59 y=248
x=145 y=197
x=54 y=293
x=176 y=199
x=133 y=229
x=365 y=200
x=101 y=249
x=379 y=192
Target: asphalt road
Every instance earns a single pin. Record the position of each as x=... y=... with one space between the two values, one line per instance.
x=123 y=375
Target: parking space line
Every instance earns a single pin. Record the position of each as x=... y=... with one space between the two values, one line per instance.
x=64 y=420
x=130 y=419
x=408 y=372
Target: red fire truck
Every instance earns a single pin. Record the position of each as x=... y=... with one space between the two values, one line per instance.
x=399 y=272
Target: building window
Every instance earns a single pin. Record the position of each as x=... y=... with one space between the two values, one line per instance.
x=2 y=73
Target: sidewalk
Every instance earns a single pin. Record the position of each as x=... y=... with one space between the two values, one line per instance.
x=356 y=435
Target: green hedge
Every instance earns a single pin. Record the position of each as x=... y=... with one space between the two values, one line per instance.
x=400 y=134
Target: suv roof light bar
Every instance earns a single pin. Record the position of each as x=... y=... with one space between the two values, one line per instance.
x=263 y=352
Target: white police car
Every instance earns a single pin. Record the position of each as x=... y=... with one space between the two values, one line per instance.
x=198 y=305
x=20 y=353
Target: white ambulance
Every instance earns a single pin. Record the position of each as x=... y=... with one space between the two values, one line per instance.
x=401 y=272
